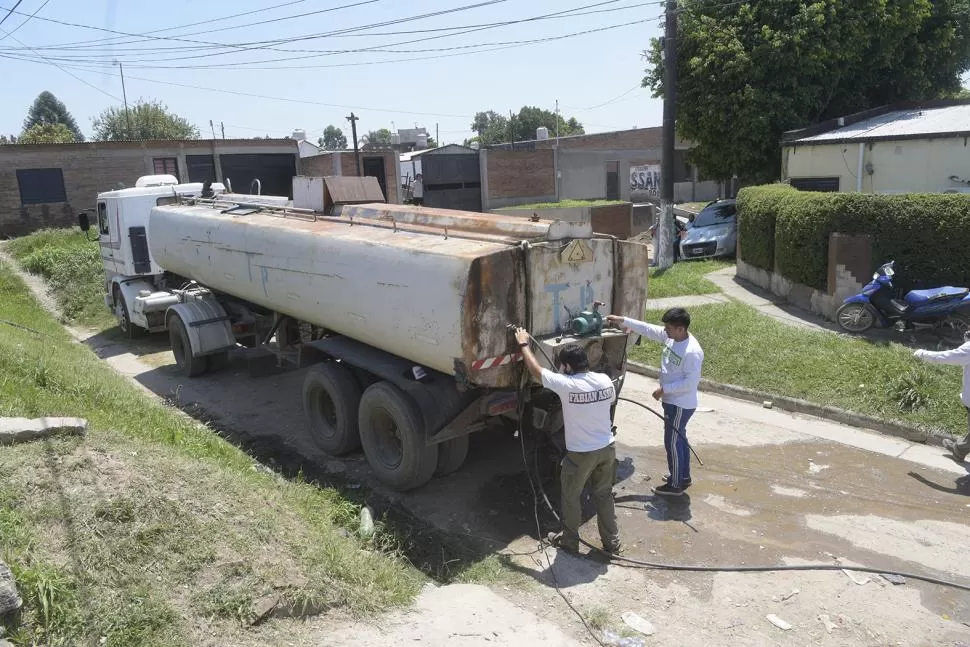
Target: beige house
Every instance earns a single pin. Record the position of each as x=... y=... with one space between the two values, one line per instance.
x=907 y=148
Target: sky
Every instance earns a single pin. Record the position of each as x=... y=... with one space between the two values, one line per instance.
x=267 y=67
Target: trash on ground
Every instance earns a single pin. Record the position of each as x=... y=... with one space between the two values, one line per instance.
x=642 y=625
x=778 y=622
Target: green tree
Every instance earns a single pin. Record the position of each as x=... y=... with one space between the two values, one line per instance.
x=5 y=140
x=49 y=110
x=47 y=134
x=333 y=139
x=149 y=120
x=749 y=71
x=494 y=128
x=376 y=138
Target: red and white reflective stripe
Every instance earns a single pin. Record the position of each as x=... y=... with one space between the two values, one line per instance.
x=492 y=362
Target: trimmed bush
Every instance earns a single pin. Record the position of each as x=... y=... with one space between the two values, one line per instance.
x=927 y=234
x=757 y=209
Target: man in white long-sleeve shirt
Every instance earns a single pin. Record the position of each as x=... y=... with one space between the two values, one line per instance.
x=958 y=357
x=680 y=374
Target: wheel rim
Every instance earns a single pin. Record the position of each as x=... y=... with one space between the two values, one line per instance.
x=122 y=313
x=954 y=328
x=323 y=412
x=856 y=318
x=390 y=449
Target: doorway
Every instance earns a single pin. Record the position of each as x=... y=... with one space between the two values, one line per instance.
x=374 y=167
x=612 y=180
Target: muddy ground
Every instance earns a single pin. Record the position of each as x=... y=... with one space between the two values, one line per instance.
x=775 y=488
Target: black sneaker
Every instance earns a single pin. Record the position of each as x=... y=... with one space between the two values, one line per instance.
x=951 y=445
x=556 y=540
x=668 y=490
x=687 y=482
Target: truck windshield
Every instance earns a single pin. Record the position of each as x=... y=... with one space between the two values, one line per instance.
x=715 y=214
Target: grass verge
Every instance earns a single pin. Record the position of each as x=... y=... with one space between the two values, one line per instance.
x=566 y=204
x=684 y=278
x=72 y=266
x=152 y=529
x=746 y=348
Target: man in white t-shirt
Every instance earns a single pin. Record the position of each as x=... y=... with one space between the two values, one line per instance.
x=587 y=398
x=680 y=374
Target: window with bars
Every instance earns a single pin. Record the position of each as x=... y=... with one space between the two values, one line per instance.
x=166 y=166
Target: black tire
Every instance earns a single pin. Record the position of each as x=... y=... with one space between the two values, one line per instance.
x=218 y=361
x=188 y=365
x=451 y=455
x=954 y=328
x=393 y=436
x=331 y=397
x=855 y=317
x=128 y=329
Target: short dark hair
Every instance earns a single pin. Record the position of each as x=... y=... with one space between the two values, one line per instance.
x=575 y=357
x=677 y=317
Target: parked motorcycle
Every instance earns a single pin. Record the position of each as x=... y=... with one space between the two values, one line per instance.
x=945 y=308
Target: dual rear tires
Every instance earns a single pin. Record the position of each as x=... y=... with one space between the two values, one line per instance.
x=381 y=419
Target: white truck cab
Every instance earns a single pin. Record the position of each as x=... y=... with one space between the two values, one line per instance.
x=131 y=288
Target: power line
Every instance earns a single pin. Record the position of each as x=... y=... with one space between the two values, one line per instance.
x=62 y=68
x=265 y=44
x=453 y=51
x=10 y=12
x=26 y=20
x=566 y=13
x=185 y=26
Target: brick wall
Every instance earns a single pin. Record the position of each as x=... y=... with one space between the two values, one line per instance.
x=520 y=174
x=95 y=167
x=322 y=166
x=613 y=220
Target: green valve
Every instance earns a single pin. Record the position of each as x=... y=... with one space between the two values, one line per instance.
x=587 y=322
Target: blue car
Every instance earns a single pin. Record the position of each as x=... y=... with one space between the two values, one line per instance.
x=713 y=233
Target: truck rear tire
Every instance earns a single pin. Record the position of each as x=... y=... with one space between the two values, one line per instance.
x=188 y=365
x=392 y=433
x=451 y=455
x=331 y=397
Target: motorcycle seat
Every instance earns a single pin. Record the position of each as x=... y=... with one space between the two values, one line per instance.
x=945 y=293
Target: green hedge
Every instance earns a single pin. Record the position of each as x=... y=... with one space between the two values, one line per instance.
x=757 y=208
x=927 y=234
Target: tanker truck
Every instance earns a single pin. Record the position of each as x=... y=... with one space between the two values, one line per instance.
x=400 y=314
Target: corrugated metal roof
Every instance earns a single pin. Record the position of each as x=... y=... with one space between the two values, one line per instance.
x=901 y=124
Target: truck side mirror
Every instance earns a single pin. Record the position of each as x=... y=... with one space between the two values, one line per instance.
x=82 y=221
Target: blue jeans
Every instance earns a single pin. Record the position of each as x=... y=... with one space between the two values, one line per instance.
x=675 y=442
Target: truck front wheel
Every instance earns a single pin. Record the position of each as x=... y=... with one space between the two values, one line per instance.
x=188 y=365
x=393 y=435
x=331 y=397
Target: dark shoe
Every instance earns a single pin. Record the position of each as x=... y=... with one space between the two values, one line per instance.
x=668 y=490
x=613 y=549
x=687 y=482
x=556 y=539
x=951 y=446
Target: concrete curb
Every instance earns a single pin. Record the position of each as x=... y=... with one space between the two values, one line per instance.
x=901 y=430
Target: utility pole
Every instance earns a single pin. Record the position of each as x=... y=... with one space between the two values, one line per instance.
x=212 y=128
x=664 y=240
x=557 y=123
x=512 y=129
x=436 y=140
x=353 y=131
x=222 y=127
x=124 y=95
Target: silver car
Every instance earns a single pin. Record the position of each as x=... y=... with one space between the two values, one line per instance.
x=713 y=233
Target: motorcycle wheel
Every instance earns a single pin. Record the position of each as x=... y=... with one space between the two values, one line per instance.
x=855 y=317
x=953 y=328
